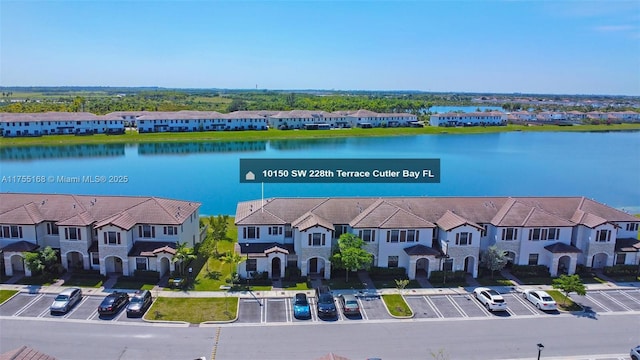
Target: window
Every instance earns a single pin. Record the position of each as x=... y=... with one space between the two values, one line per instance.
x=533 y=259
x=287 y=231
x=170 y=230
x=412 y=235
x=603 y=235
x=95 y=258
x=620 y=259
x=111 y=238
x=275 y=230
x=251 y=232
x=52 y=229
x=554 y=234
x=72 y=233
x=509 y=234
x=483 y=232
x=393 y=236
x=537 y=234
x=463 y=238
x=367 y=235
x=146 y=231
x=251 y=265
x=392 y=262
x=632 y=227
x=12 y=231
x=317 y=239
x=141 y=263
x=340 y=229
x=448 y=265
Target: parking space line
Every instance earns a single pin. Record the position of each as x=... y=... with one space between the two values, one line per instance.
x=604 y=293
x=24 y=308
x=626 y=294
x=606 y=309
x=479 y=304
x=44 y=312
x=93 y=315
x=527 y=304
x=363 y=313
x=312 y=306
x=338 y=310
x=263 y=311
x=456 y=306
x=432 y=306
x=75 y=307
x=288 y=310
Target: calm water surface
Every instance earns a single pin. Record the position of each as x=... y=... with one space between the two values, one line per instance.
x=603 y=166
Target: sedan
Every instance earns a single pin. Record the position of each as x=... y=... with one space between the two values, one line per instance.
x=635 y=353
x=349 y=305
x=65 y=300
x=490 y=298
x=301 y=309
x=326 y=306
x=113 y=303
x=540 y=299
x=139 y=303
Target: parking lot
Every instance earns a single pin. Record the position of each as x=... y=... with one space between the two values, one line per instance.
x=280 y=310
x=37 y=305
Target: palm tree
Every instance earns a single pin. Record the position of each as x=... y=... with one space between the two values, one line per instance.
x=232 y=258
x=183 y=255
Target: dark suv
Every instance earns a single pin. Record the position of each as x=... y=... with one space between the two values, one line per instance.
x=113 y=302
x=326 y=305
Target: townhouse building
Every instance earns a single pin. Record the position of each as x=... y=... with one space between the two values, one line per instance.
x=112 y=234
x=424 y=234
x=59 y=123
x=469 y=119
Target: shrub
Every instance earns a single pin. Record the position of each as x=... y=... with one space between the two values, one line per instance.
x=293 y=274
x=438 y=276
x=583 y=270
x=528 y=271
x=147 y=275
x=387 y=273
x=621 y=270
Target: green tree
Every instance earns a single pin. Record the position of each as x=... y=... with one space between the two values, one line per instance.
x=33 y=261
x=232 y=258
x=49 y=259
x=183 y=255
x=494 y=259
x=401 y=283
x=350 y=254
x=568 y=284
x=218 y=227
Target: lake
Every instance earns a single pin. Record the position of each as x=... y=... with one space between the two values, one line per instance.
x=602 y=165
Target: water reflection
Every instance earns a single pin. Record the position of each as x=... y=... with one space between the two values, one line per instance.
x=200 y=147
x=23 y=153
x=302 y=144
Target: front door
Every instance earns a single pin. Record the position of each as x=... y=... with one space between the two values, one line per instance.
x=275 y=268
x=313 y=265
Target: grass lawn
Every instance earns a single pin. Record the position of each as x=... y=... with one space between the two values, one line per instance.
x=193 y=310
x=396 y=305
x=449 y=284
x=391 y=284
x=497 y=280
x=5 y=294
x=591 y=279
x=536 y=281
x=128 y=283
x=44 y=280
x=625 y=278
x=340 y=283
x=215 y=276
x=295 y=285
x=564 y=303
x=92 y=281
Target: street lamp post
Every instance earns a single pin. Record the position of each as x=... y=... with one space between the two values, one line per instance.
x=540 y=347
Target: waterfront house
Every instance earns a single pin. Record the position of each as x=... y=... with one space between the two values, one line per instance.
x=424 y=234
x=112 y=234
x=469 y=119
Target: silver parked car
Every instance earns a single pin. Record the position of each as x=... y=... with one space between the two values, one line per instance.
x=65 y=300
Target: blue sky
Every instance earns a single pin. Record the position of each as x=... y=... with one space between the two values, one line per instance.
x=560 y=47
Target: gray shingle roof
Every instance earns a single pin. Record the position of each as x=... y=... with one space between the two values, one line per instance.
x=562 y=248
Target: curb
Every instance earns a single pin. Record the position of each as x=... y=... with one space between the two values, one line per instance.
x=398 y=316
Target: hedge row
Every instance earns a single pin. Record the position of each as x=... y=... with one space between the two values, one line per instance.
x=528 y=271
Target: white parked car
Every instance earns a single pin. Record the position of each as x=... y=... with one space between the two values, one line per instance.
x=635 y=353
x=490 y=298
x=540 y=299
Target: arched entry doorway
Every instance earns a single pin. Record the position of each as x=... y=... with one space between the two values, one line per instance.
x=275 y=268
x=75 y=261
x=113 y=264
x=599 y=261
x=17 y=264
x=422 y=267
x=469 y=264
x=315 y=266
x=511 y=259
x=564 y=264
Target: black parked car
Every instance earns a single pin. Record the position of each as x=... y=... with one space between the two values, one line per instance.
x=326 y=306
x=139 y=303
x=113 y=303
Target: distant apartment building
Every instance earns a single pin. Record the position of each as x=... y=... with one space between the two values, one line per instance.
x=424 y=234
x=492 y=118
x=112 y=234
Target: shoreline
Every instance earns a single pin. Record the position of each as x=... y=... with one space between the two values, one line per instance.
x=273 y=134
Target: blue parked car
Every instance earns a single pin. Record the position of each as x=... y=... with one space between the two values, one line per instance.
x=301 y=309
